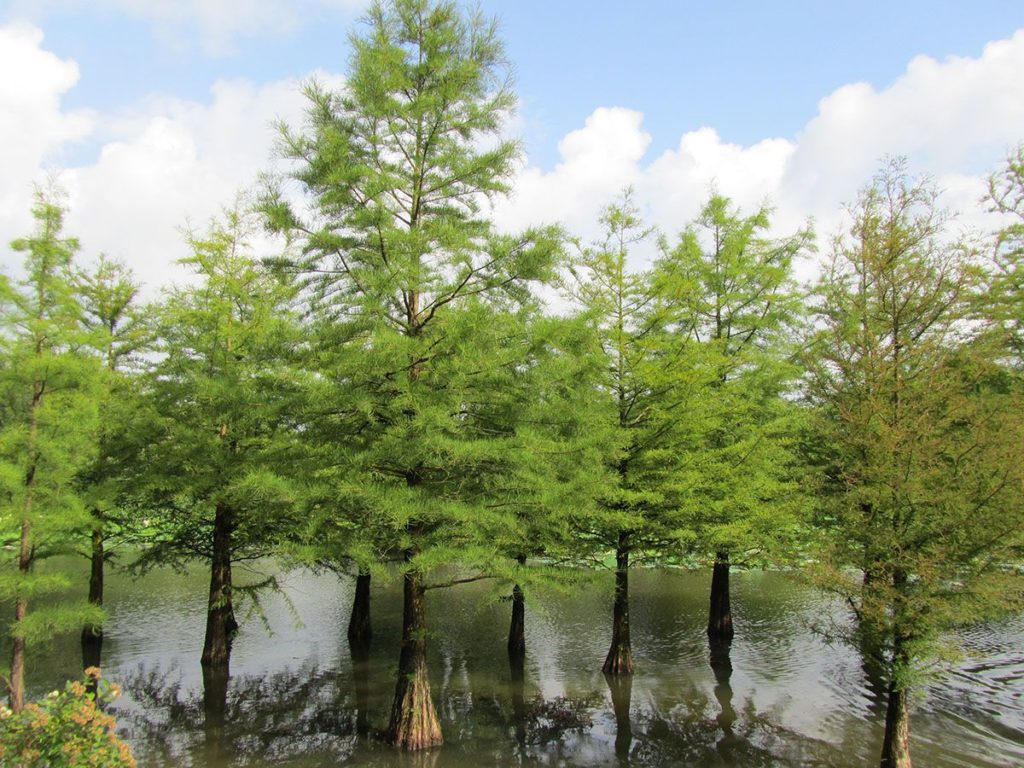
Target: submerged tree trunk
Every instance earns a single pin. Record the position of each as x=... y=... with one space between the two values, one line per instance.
x=20 y=611
x=215 y=703
x=220 y=615
x=621 y=688
x=517 y=675
x=721 y=666
x=720 y=614
x=359 y=628
x=517 y=627
x=620 y=656
x=414 y=724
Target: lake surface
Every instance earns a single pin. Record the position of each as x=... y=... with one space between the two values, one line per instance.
x=782 y=696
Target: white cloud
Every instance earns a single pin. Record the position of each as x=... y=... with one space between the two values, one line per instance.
x=953 y=119
x=33 y=128
x=161 y=162
x=177 y=161
x=166 y=158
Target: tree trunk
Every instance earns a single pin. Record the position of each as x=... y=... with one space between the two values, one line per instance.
x=896 y=746
x=93 y=633
x=720 y=614
x=517 y=627
x=220 y=615
x=620 y=656
x=359 y=628
x=414 y=724
x=20 y=611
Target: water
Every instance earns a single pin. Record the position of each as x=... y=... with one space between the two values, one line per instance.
x=781 y=697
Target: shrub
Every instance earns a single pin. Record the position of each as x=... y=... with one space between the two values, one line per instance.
x=67 y=729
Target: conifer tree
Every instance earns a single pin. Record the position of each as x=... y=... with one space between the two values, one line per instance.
x=402 y=261
x=731 y=290
x=48 y=430
x=119 y=330
x=1006 y=293
x=647 y=394
x=919 y=437
x=217 y=468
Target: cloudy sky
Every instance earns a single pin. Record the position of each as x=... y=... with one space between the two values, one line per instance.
x=155 y=112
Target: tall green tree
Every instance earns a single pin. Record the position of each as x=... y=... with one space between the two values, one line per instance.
x=217 y=466
x=48 y=430
x=403 y=260
x=1006 y=294
x=119 y=331
x=919 y=437
x=731 y=290
x=647 y=395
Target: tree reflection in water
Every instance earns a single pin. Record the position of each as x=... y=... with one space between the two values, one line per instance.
x=310 y=716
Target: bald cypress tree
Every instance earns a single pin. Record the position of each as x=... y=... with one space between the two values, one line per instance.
x=919 y=436
x=404 y=266
x=646 y=394
x=215 y=467
x=119 y=331
x=732 y=291
x=49 y=401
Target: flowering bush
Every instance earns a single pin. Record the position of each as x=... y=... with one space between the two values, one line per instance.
x=67 y=729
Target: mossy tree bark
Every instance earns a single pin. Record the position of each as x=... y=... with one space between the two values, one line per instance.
x=620 y=656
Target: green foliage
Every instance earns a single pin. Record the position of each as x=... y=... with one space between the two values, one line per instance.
x=49 y=404
x=67 y=729
x=218 y=404
x=919 y=432
x=424 y=336
x=730 y=289
x=646 y=396
x=1006 y=292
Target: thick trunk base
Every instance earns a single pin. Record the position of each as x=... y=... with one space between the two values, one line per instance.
x=414 y=724
x=720 y=613
x=896 y=745
x=619 y=660
x=360 y=631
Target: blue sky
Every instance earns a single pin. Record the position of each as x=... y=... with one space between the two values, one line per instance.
x=800 y=100
x=750 y=69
